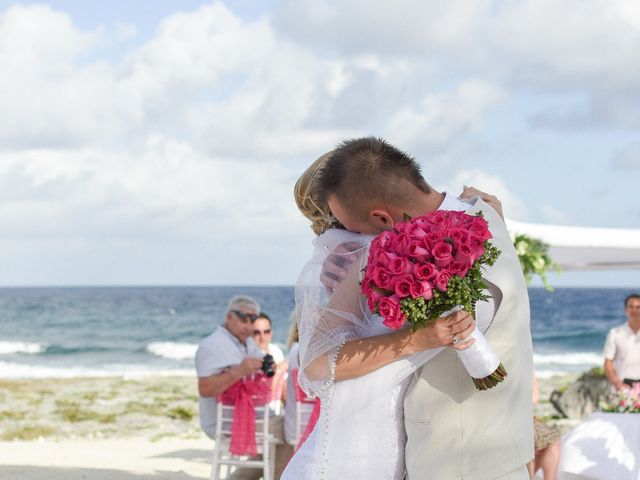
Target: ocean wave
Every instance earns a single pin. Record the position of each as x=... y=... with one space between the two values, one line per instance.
x=551 y=373
x=173 y=350
x=16 y=371
x=7 y=348
x=576 y=358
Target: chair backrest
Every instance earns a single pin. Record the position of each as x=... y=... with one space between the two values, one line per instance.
x=225 y=421
x=304 y=408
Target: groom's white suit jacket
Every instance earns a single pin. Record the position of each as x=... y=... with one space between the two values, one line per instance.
x=456 y=432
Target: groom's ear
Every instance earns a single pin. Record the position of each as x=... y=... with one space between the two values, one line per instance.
x=381 y=219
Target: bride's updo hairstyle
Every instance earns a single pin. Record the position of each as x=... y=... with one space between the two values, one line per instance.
x=367 y=171
x=317 y=212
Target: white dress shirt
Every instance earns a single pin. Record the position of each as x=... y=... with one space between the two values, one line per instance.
x=215 y=353
x=623 y=347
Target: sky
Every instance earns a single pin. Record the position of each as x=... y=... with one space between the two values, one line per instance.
x=157 y=143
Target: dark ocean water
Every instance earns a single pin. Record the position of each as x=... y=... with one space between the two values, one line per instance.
x=66 y=332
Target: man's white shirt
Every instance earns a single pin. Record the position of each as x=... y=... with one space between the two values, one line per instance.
x=623 y=347
x=217 y=352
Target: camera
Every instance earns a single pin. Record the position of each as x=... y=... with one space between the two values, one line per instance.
x=268 y=365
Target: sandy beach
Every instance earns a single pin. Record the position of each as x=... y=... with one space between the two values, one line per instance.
x=117 y=428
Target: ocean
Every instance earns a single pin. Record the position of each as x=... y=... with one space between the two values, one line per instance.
x=137 y=331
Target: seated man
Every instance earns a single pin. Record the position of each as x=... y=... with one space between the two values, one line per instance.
x=222 y=359
x=622 y=348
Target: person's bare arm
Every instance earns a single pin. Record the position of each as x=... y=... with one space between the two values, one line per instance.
x=362 y=356
x=610 y=372
x=216 y=384
x=535 y=389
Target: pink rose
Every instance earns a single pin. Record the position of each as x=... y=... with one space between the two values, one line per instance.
x=477 y=246
x=381 y=277
x=416 y=231
x=384 y=239
x=456 y=219
x=402 y=286
x=464 y=255
x=459 y=235
x=423 y=222
x=400 y=244
x=424 y=272
x=384 y=258
x=442 y=280
x=458 y=268
x=366 y=285
x=390 y=310
x=373 y=299
x=422 y=288
x=442 y=254
x=437 y=217
x=399 y=266
x=434 y=238
x=480 y=228
x=417 y=250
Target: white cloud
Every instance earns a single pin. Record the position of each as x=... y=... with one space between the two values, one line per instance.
x=628 y=158
x=196 y=133
x=552 y=214
x=440 y=118
x=531 y=45
x=512 y=205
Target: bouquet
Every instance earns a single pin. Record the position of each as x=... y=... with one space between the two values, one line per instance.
x=623 y=401
x=429 y=266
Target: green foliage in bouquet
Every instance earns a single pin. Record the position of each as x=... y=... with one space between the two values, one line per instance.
x=461 y=291
x=534 y=259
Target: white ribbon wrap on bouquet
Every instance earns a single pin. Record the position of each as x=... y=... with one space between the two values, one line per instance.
x=479 y=359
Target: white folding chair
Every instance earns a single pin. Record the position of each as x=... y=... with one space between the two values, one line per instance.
x=265 y=444
x=304 y=408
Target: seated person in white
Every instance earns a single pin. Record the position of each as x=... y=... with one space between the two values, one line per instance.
x=262 y=336
x=225 y=357
x=622 y=348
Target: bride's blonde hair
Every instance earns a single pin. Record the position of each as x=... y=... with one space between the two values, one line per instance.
x=319 y=215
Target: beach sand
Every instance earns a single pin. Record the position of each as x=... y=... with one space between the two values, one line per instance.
x=117 y=428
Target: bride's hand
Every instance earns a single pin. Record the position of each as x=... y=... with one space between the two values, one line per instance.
x=334 y=268
x=468 y=192
x=441 y=332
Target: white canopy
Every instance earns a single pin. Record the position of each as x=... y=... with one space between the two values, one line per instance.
x=586 y=248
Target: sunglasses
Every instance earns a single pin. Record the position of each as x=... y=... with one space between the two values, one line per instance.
x=263 y=332
x=245 y=317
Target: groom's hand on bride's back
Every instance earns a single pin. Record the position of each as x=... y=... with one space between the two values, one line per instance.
x=441 y=333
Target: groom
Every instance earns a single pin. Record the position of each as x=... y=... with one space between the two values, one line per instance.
x=453 y=431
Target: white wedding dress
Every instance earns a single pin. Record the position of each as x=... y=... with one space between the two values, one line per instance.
x=370 y=443
x=360 y=432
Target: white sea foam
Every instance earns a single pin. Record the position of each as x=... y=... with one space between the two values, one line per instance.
x=16 y=370
x=173 y=350
x=569 y=359
x=7 y=348
x=542 y=373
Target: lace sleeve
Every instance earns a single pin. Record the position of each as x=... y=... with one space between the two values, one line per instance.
x=326 y=320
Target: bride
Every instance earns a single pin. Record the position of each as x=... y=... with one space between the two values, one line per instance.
x=358 y=368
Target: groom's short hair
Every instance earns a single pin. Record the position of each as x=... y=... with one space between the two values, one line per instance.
x=363 y=170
